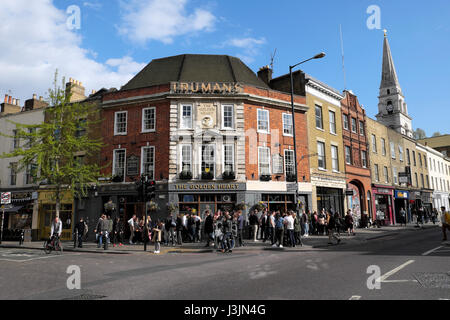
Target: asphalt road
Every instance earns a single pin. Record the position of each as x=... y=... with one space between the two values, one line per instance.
x=410 y=265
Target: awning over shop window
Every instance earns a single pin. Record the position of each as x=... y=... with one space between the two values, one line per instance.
x=12 y=209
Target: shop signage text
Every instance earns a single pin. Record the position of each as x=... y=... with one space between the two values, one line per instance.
x=206 y=87
x=179 y=187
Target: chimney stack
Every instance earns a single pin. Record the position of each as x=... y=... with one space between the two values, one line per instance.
x=9 y=99
x=265 y=74
x=34 y=96
x=6 y=98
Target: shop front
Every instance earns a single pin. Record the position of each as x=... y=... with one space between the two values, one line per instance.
x=47 y=213
x=383 y=204
x=401 y=200
x=330 y=199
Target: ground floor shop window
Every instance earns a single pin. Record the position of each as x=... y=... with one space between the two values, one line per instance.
x=48 y=214
x=279 y=202
x=382 y=208
x=330 y=199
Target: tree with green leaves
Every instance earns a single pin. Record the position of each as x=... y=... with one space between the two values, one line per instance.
x=55 y=147
x=437 y=134
x=419 y=134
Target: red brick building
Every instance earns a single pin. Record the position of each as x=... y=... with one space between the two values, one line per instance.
x=208 y=131
x=357 y=166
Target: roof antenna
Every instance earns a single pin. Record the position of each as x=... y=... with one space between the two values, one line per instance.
x=343 y=58
x=272 y=57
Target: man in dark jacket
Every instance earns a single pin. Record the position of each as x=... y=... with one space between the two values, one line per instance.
x=331 y=227
x=209 y=228
x=254 y=224
x=102 y=229
x=79 y=227
x=169 y=231
x=179 y=229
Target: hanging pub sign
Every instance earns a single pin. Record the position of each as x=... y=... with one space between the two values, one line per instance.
x=206 y=87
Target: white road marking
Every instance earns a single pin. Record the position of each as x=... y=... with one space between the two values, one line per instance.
x=390 y=273
x=355 y=298
x=398 y=281
x=431 y=251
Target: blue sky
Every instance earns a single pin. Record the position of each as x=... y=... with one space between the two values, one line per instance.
x=118 y=37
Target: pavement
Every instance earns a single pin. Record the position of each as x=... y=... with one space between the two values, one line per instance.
x=310 y=242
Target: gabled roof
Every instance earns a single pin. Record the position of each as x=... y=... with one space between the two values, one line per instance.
x=194 y=68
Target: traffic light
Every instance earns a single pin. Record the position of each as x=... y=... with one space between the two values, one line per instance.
x=150 y=189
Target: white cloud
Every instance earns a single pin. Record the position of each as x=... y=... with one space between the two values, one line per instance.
x=36 y=41
x=250 y=47
x=162 y=20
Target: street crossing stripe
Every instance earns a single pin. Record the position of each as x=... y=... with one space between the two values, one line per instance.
x=390 y=273
x=355 y=298
x=430 y=251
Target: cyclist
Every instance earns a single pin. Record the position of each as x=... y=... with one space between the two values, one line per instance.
x=56 y=229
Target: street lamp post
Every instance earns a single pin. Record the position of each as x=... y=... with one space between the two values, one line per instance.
x=318 y=56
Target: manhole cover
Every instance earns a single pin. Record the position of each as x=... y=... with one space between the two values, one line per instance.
x=86 y=296
x=433 y=280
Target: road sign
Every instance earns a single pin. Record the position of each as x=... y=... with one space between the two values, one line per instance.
x=6 y=198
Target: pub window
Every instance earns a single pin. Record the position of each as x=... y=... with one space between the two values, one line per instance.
x=120 y=123
x=289 y=162
x=287 y=124
x=227 y=117
x=263 y=120
x=119 y=163
x=149 y=119
x=228 y=157
x=321 y=155
x=186 y=117
x=277 y=164
x=208 y=159
x=186 y=158
x=148 y=162
x=319 y=120
x=264 y=161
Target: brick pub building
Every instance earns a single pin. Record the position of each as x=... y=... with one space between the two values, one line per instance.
x=209 y=131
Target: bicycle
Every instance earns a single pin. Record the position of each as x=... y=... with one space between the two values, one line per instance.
x=53 y=244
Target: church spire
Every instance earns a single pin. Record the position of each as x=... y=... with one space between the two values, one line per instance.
x=389 y=77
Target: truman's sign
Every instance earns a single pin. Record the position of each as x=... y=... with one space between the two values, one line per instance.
x=206 y=87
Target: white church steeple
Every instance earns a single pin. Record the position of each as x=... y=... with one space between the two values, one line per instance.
x=392 y=108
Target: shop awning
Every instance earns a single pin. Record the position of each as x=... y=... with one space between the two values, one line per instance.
x=12 y=209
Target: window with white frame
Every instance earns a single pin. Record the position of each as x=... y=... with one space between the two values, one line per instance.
x=361 y=128
x=364 y=159
x=376 y=173
x=400 y=153
x=149 y=119
x=393 y=155
x=383 y=146
x=287 y=124
x=289 y=162
x=30 y=174
x=354 y=129
x=264 y=161
x=148 y=162
x=345 y=121
x=348 y=155
x=186 y=158
x=208 y=158
x=319 y=117
x=227 y=116
x=335 y=158
x=263 y=120
x=119 y=163
x=228 y=158
x=374 y=144
x=186 y=116
x=322 y=163
x=332 y=122
x=120 y=123
x=13 y=173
